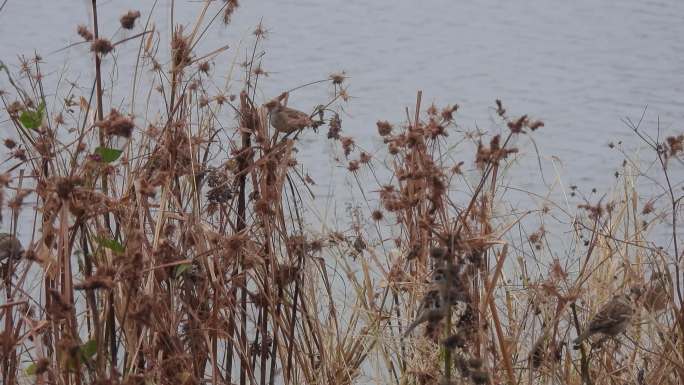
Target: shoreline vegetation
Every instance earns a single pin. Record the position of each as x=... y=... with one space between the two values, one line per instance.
x=171 y=246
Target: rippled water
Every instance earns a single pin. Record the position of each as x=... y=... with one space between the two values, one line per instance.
x=580 y=66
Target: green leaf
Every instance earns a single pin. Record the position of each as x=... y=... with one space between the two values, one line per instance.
x=110 y=244
x=88 y=350
x=32 y=119
x=108 y=155
x=180 y=269
x=32 y=369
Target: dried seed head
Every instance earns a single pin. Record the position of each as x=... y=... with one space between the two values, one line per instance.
x=384 y=128
x=364 y=157
x=101 y=46
x=517 y=125
x=117 y=124
x=231 y=6
x=535 y=124
x=10 y=144
x=65 y=185
x=359 y=244
x=353 y=165
x=448 y=112
x=84 y=32
x=260 y=31
x=259 y=71
x=347 y=145
x=499 y=109
x=180 y=50
x=128 y=19
x=675 y=144
x=377 y=215
x=338 y=78
x=20 y=154
x=204 y=67
x=335 y=127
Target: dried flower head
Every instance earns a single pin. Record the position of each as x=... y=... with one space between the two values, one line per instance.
x=648 y=208
x=128 y=19
x=535 y=124
x=384 y=128
x=260 y=31
x=259 y=71
x=231 y=6
x=204 y=67
x=516 y=126
x=84 y=32
x=101 y=46
x=335 y=127
x=448 y=112
x=117 y=124
x=675 y=144
x=338 y=77
x=347 y=145
x=180 y=49
x=499 y=109
x=364 y=157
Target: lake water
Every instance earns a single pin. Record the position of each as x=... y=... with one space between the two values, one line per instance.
x=580 y=66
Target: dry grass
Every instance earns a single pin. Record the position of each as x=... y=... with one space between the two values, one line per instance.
x=171 y=247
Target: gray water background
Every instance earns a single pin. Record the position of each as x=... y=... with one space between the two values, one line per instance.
x=580 y=66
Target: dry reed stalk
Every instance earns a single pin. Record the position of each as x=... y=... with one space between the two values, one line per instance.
x=193 y=262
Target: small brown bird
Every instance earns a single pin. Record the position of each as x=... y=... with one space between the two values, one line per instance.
x=443 y=291
x=10 y=247
x=429 y=315
x=611 y=319
x=284 y=119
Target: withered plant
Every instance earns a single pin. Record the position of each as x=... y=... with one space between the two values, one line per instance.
x=166 y=238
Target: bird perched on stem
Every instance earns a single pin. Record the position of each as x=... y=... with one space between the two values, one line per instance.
x=284 y=119
x=429 y=315
x=443 y=292
x=10 y=247
x=612 y=318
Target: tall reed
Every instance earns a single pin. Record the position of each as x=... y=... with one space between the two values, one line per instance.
x=166 y=238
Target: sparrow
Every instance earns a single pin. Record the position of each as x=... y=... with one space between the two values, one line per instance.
x=284 y=119
x=611 y=319
x=448 y=282
x=429 y=315
x=442 y=292
x=10 y=247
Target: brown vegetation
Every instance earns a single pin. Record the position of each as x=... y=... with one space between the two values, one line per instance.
x=182 y=256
